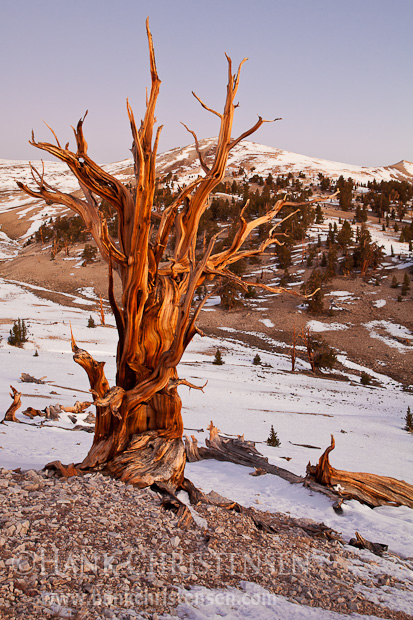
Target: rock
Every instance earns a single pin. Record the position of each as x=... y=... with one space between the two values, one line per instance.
x=30 y=487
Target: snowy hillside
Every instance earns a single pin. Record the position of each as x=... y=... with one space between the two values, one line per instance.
x=367 y=322
x=253 y=157
x=239 y=398
x=262 y=160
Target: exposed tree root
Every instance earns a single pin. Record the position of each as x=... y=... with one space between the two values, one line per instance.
x=66 y=471
x=150 y=459
x=260 y=519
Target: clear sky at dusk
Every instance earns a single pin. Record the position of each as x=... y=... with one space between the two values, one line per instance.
x=339 y=73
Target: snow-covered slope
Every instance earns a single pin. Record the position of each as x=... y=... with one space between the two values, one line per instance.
x=252 y=157
x=183 y=162
x=259 y=159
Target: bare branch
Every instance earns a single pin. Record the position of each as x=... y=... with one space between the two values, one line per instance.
x=253 y=129
x=174 y=384
x=206 y=107
x=55 y=137
x=201 y=159
x=236 y=81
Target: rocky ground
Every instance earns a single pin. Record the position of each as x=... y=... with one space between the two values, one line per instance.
x=91 y=547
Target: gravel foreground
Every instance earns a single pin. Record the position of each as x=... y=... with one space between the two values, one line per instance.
x=92 y=547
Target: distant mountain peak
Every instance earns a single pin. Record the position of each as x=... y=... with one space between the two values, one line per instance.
x=259 y=159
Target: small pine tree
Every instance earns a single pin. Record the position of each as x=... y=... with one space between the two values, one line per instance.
x=319 y=218
x=91 y=322
x=218 y=361
x=36 y=353
x=89 y=254
x=251 y=293
x=273 y=438
x=324 y=355
x=408 y=421
x=365 y=378
x=394 y=282
x=316 y=301
x=285 y=278
x=405 y=285
x=257 y=360
x=18 y=333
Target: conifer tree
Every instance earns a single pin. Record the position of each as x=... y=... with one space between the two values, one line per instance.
x=405 y=285
x=331 y=262
x=18 y=333
x=319 y=217
x=273 y=438
x=408 y=421
x=218 y=361
x=91 y=323
x=345 y=235
x=315 y=283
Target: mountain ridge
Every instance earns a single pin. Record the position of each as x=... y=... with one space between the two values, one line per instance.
x=252 y=157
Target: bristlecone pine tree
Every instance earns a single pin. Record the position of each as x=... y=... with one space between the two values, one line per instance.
x=138 y=433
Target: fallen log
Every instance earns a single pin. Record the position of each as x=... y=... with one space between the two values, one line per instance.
x=236 y=450
x=367 y=488
x=305 y=445
x=338 y=485
x=52 y=412
x=10 y=415
x=26 y=378
x=362 y=543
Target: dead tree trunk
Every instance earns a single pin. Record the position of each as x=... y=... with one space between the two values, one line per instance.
x=101 y=311
x=138 y=434
x=366 y=488
x=10 y=415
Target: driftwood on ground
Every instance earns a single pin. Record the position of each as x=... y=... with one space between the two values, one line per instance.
x=31 y=413
x=367 y=488
x=26 y=378
x=52 y=412
x=236 y=450
x=338 y=485
x=363 y=543
x=78 y=407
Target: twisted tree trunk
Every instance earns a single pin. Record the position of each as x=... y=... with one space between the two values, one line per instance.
x=138 y=435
